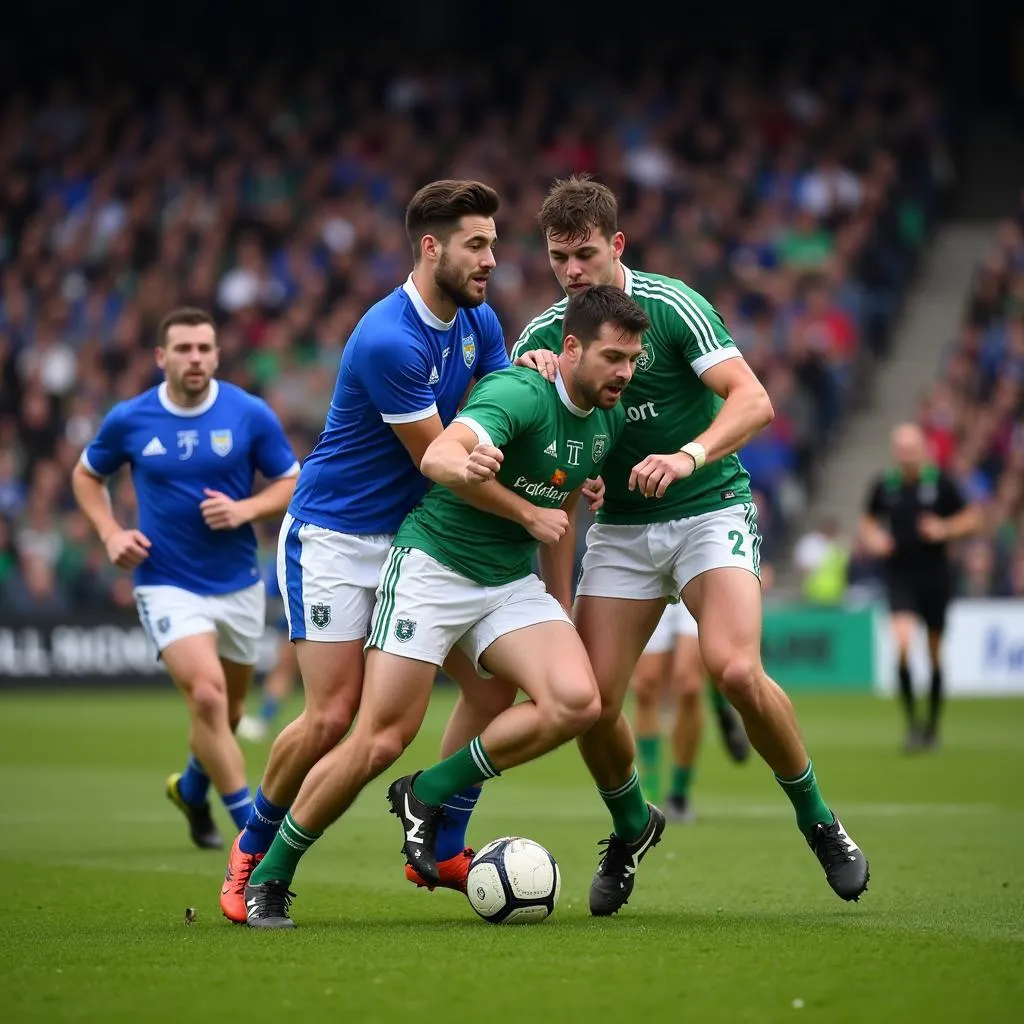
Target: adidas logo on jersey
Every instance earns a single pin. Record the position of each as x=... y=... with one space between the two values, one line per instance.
x=154 y=448
x=434 y=377
x=552 y=450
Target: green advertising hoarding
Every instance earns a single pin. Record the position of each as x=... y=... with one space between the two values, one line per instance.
x=819 y=648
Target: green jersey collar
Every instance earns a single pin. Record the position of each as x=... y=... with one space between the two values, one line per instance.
x=563 y=394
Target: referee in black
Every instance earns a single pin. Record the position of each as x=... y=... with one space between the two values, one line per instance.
x=913 y=511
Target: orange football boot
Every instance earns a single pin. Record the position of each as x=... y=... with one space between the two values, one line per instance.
x=453 y=872
x=236 y=877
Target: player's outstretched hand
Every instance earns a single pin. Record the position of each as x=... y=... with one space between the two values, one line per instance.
x=221 y=512
x=656 y=472
x=544 y=361
x=932 y=528
x=593 y=491
x=128 y=548
x=483 y=463
x=548 y=525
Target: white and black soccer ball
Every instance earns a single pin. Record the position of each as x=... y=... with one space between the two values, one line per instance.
x=513 y=880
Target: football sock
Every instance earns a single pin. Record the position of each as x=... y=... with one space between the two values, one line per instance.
x=628 y=808
x=907 y=691
x=269 y=708
x=285 y=852
x=264 y=820
x=806 y=799
x=648 y=750
x=194 y=784
x=238 y=805
x=451 y=836
x=935 y=704
x=681 y=779
x=718 y=701
x=467 y=767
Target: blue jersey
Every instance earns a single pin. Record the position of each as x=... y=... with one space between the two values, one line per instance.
x=176 y=453
x=401 y=364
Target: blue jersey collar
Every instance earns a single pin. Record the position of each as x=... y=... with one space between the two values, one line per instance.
x=421 y=308
x=191 y=410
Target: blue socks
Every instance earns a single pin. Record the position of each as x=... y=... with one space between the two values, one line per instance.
x=194 y=784
x=238 y=805
x=269 y=709
x=451 y=836
x=264 y=819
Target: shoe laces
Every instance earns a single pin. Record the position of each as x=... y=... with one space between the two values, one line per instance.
x=274 y=899
x=614 y=855
x=830 y=848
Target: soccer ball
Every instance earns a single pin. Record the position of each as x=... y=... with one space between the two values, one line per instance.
x=513 y=880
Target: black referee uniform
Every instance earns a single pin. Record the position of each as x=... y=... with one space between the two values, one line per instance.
x=918 y=577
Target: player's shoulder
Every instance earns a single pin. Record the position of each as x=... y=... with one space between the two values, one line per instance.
x=130 y=409
x=390 y=323
x=666 y=291
x=521 y=379
x=233 y=395
x=544 y=329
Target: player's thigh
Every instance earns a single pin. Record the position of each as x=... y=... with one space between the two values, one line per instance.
x=650 y=675
x=614 y=632
x=487 y=696
x=196 y=668
x=329 y=581
x=933 y=596
x=238 y=678
x=396 y=691
x=726 y=602
x=332 y=677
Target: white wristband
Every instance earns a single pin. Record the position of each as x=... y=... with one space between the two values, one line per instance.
x=696 y=452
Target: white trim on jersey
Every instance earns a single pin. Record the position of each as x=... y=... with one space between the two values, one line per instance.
x=421 y=308
x=191 y=410
x=88 y=467
x=410 y=417
x=627 y=279
x=481 y=432
x=563 y=394
x=702 y=364
x=292 y=470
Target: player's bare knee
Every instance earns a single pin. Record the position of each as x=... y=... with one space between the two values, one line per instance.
x=326 y=727
x=208 y=696
x=689 y=702
x=739 y=679
x=574 y=709
x=385 y=747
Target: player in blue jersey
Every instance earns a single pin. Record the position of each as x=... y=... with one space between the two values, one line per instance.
x=194 y=445
x=403 y=375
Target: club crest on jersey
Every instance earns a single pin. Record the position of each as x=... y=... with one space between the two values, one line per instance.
x=163 y=623
x=558 y=477
x=600 y=447
x=221 y=441
x=320 y=614
x=405 y=630
x=469 y=350
x=646 y=357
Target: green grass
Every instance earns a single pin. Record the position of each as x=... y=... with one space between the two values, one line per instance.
x=731 y=920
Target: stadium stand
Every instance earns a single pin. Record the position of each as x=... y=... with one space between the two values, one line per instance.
x=798 y=197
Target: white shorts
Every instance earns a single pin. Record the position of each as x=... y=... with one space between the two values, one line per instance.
x=170 y=613
x=328 y=580
x=659 y=559
x=676 y=621
x=424 y=609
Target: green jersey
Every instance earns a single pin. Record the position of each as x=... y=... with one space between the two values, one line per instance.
x=666 y=403
x=550 y=448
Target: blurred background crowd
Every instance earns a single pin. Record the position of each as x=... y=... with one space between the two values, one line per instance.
x=797 y=194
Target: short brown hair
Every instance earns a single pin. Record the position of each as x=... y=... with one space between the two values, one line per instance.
x=183 y=316
x=437 y=208
x=587 y=311
x=573 y=206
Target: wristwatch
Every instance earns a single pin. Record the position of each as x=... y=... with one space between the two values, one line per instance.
x=696 y=452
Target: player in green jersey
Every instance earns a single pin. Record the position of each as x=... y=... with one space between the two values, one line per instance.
x=678 y=522
x=460 y=577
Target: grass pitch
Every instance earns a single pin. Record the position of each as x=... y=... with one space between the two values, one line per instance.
x=731 y=920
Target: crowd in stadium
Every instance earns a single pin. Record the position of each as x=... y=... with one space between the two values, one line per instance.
x=797 y=201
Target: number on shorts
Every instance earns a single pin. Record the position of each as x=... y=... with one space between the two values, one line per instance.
x=737 y=546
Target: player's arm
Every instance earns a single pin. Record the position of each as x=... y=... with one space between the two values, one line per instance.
x=873 y=536
x=746 y=410
x=558 y=560
x=956 y=518
x=126 y=548
x=467 y=463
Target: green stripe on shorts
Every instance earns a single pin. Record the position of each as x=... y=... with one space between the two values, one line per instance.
x=386 y=608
